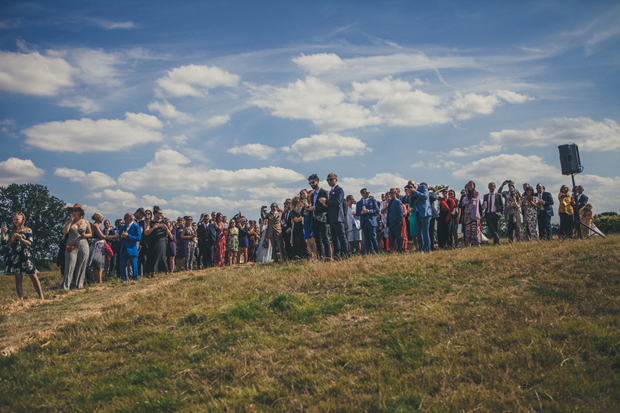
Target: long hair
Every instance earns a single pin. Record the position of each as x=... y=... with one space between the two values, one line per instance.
x=22 y=228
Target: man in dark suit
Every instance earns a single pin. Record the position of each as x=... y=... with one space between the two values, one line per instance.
x=336 y=217
x=580 y=200
x=207 y=234
x=318 y=213
x=287 y=224
x=367 y=210
x=131 y=235
x=545 y=211
x=395 y=214
x=493 y=207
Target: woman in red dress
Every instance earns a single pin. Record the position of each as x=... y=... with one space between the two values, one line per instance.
x=219 y=248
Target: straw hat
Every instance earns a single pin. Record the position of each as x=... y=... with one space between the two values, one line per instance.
x=76 y=206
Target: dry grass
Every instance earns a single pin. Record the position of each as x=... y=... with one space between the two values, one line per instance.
x=527 y=327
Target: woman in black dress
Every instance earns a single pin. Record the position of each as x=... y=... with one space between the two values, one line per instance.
x=158 y=234
x=18 y=257
x=300 y=248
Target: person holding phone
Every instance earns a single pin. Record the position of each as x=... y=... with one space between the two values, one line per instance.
x=17 y=254
x=77 y=249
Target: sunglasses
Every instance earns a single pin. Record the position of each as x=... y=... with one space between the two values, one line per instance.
x=331 y=179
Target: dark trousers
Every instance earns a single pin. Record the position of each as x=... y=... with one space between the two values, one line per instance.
x=493 y=225
x=422 y=228
x=286 y=240
x=431 y=232
x=544 y=225
x=370 y=238
x=320 y=236
x=276 y=241
x=395 y=237
x=131 y=260
x=566 y=223
x=142 y=257
x=443 y=230
x=339 y=239
x=206 y=253
x=510 y=226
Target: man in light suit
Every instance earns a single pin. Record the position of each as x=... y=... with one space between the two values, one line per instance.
x=395 y=214
x=423 y=216
x=274 y=231
x=367 y=211
x=318 y=214
x=131 y=235
x=493 y=207
x=545 y=211
x=335 y=213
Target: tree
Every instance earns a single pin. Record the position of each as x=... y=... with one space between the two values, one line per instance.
x=45 y=215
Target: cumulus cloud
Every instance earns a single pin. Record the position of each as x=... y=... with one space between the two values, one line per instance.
x=167 y=110
x=381 y=89
x=513 y=97
x=216 y=203
x=587 y=133
x=87 y=135
x=254 y=149
x=19 y=171
x=115 y=203
x=196 y=80
x=435 y=165
x=97 y=67
x=320 y=62
x=414 y=108
x=380 y=182
x=34 y=74
x=84 y=104
x=482 y=147
x=113 y=195
x=315 y=100
x=465 y=107
x=92 y=180
x=169 y=170
x=275 y=194
x=218 y=120
x=327 y=146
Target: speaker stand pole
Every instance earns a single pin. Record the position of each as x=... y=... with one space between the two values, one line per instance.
x=578 y=223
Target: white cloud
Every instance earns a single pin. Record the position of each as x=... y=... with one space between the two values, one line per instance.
x=218 y=120
x=113 y=195
x=381 y=89
x=34 y=74
x=254 y=149
x=414 y=108
x=91 y=180
x=327 y=146
x=318 y=63
x=181 y=139
x=216 y=203
x=153 y=200
x=84 y=104
x=513 y=97
x=276 y=194
x=465 y=107
x=380 y=182
x=167 y=110
x=435 y=165
x=19 y=171
x=168 y=170
x=97 y=67
x=587 y=133
x=112 y=25
x=313 y=99
x=482 y=147
x=87 y=135
x=195 y=80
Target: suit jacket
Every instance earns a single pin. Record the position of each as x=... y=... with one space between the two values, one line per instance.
x=334 y=205
x=433 y=198
x=423 y=205
x=320 y=211
x=395 y=212
x=130 y=244
x=373 y=210
x=274 y=221
x=208 y=233
x=499 y=203
x=548 y=198
x=579 y=203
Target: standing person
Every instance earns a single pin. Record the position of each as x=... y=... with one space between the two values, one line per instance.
x=529 y=207
x=287 y=228
x=297 y=244
x=219 y=247
x=367 y=211
x=319 y=216
x=199 y=236
x=189 y=244
x=159 y=233
x=274 y=230
x=232 y=242
x=432 y=198
x=446 y=205
x=253 y=238
x=395 y=214
x=211 y=232
x=97 y=257
x=244 y=242
x=385 y=201
x=471 y=204
x=142 y=218
x=171 y=249
x=354 y=234
x=510 y=218
x=16 y=248
x=130 y=235
x=76 y=251
x=308 y=232
x=514 y=214
x=423 y=216
x=264 y=246
x=493 y=208
x=453 y=238
x=115 y=244
x=545 y=211
x=335 y=212
x=580 y=201
x=565 y=211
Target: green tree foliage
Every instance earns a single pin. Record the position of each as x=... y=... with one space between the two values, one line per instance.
x=45 y=215
x=608 y=222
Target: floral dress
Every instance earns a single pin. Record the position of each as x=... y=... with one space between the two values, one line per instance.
x=97 y=253
x=530 y=214
x=513 y=211
x=232 y=243
x=17 y=255
x=190 y=246
x=219 y=248
x=252 y=240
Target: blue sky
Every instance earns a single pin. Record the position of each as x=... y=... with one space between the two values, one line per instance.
x=203 y=106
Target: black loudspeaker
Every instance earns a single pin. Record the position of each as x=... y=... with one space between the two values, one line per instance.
x=569 y=159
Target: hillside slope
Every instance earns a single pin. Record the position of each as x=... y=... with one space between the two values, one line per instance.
x=527 y=327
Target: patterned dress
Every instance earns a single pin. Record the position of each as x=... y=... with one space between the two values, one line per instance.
x=17 y=255
x=513 y=211
x=76 y=260
x=190 y=245
x=252 y=240
x=530 y=214
x=473 y=229
x=219 y=248
x=97 y=253
x=232 y=243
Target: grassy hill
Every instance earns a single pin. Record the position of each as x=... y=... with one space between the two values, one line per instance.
x=527 y=327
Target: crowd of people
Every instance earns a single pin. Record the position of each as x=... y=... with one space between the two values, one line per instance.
x=316 y=224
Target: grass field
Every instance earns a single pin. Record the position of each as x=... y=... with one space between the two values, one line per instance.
x=516 y=328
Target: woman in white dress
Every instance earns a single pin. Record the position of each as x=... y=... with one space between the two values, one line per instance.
x=264 y=253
